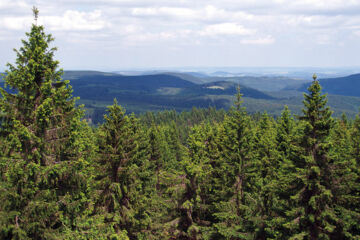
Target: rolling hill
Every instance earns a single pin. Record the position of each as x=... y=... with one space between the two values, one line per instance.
x=155 y=92
x=262 y=83
x=152 y=92
x=346 y=86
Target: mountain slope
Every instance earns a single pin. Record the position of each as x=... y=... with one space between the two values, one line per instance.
x=261 y=83
x=346 y=86
x=167 y=91
x=226 y=88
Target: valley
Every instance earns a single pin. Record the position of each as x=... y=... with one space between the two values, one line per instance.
x=183 y=91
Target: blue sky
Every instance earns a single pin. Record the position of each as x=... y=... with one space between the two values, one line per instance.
x=125 y=34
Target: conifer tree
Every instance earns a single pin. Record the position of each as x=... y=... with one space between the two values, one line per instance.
x=194 y=203
x=233 y=211
x=315 y=216
x=46 y=147
x=118 y=178
x=351 y=181
x=267 y=165
x=286 y=140
x=284 y=134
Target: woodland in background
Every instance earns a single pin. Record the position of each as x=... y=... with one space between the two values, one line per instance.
x=203 y=174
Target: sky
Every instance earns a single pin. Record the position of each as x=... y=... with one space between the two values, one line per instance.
x=112 y=35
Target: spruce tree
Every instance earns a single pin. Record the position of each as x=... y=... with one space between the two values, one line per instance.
x=194 y=203
x=117 y=177
x=350 y=200
x=267 y=165
x=315 y=216
x=285 y=133
x=45 y=146
x=286 y=140
x=126 y=179
x=236 y=183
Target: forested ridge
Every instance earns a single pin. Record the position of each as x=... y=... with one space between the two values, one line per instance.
x=202 y=174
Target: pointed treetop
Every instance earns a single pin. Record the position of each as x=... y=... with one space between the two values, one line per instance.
x=314 y=76
x=36 y=13
x=238 y=101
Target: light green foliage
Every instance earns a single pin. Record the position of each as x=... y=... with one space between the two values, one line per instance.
x=45 y=146
x=194 y=205
x=268 y=161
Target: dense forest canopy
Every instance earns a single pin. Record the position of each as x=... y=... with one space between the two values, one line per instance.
x=202 y=174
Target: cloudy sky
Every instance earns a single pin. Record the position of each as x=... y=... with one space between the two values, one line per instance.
x=125 y=34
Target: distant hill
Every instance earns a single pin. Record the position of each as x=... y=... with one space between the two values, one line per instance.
x=182 y=91
x=118 y=83
x=261 y=83
x=105 y=87
x=194 y=78
x=226 y=88
x=72 y=75
x=197 y=74
x=346 y=86
x=152 y=92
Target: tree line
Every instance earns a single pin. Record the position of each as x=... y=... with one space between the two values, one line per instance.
x=204 y=174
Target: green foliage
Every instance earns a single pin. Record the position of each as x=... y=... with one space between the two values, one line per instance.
x=120 y=164
x=315 y=214
x=202 y=174
x=45 y=146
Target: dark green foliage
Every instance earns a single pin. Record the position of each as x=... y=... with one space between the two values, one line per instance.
x=202 y=174
x=122 y=160
x=315 y=216
x=236 y=189
x=45 y=147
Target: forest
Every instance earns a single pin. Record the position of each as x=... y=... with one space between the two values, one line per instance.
x=201 y=174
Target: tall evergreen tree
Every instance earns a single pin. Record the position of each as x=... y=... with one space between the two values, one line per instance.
x=286 y=140
x=315 y=216
x=45 y=145
x=119 y=180
x=351 y=181
x=194 y=205
x=233 y=210
x=267 y=165
x=285 y=133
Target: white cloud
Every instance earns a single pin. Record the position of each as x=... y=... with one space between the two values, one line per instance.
x=356 y=33
x=324 y=5
x=206 y=13
x=75 y=21
x=70 y=21
x=164 y=11
x=13 y=4
x=148 y=38
x=323 y=39
x=16 y=23
x=297 y=24
x=259 y=41
x=226 y=29
x=131 y=29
